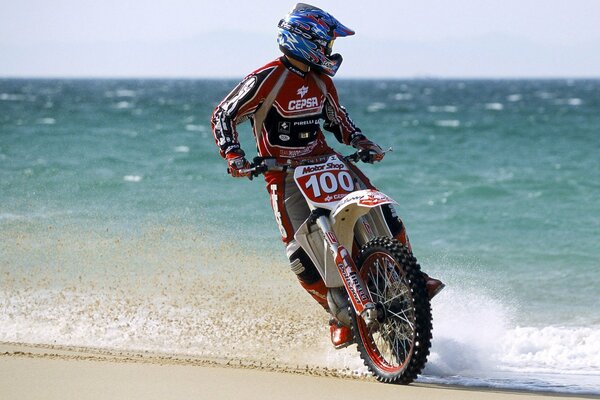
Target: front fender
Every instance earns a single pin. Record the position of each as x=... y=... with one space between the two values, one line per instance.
x=365 y=199
x=352 y=207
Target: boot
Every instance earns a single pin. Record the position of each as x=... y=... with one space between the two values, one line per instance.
x=318 y=291
x=434 y=286
x=341 y=336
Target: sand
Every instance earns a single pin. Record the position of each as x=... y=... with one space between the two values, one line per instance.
x=46 y=372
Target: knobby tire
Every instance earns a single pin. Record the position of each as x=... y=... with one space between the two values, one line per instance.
x=395 y=352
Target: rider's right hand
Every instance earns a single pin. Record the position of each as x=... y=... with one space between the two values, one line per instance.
x=373 y=150
x=237 y=163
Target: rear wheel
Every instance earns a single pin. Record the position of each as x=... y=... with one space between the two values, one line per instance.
x=395 y=350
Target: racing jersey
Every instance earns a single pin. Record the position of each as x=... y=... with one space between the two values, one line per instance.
x=285 y=106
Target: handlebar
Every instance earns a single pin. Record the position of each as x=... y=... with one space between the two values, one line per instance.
x=260 y=165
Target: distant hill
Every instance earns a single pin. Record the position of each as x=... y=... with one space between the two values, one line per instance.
x=233 y=54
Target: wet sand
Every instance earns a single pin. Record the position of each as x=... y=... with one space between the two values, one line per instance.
x=46 y=372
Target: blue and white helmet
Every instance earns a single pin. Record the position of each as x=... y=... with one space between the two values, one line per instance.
x=307 y=34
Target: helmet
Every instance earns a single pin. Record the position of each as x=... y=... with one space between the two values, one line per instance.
x=307 y=34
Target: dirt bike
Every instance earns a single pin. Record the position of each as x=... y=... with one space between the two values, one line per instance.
x=374 y=282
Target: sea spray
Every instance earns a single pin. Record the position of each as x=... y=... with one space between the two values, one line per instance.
x=477 y=341
x=468 y=327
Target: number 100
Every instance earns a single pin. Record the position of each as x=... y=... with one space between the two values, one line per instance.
x=329 y=182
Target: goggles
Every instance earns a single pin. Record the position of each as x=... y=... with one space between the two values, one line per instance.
x=329 y=48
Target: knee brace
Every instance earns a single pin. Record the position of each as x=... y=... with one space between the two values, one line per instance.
x=303 y=267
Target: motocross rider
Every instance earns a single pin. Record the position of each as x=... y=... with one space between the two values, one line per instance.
x=285 y=101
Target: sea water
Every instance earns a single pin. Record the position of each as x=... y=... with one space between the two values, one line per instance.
x=120 y=229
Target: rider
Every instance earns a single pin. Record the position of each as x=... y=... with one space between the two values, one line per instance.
x=285 y=101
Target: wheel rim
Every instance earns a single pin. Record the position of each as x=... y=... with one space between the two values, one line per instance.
x=391 y=344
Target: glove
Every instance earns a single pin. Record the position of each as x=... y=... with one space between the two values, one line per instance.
x=373 y=151
x=237 y=162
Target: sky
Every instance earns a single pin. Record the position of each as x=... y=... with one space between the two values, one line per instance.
x=395 y=39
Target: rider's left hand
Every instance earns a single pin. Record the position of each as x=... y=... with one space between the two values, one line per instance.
x=237 y=165
x=376 y=153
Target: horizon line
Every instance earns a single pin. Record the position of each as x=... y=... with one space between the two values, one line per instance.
x=239 y=77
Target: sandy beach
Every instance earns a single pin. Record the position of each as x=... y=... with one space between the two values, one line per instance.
x=45 y=372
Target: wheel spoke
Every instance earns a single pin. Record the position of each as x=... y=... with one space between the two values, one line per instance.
x=390 y=275
x=393 y=339
x=400 y=339
x=403 y=317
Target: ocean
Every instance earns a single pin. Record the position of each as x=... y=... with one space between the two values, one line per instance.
x=120 y=229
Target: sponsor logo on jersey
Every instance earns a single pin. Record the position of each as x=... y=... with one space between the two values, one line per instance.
x=244 y=88
x=301 y=104
x=284 y=138
x=302 y=91
x=306 y=122
x=283 y=127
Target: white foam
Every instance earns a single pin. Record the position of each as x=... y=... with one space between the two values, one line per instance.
x=476 y=343
x=375 y=107
x=514 y=97
x=448 y=109
x=467 y=328
x=47 y=121
x=182 y=149
x=494 y=106
x=448 y=123
x=575 y=102
x=132 y=178
x=552 y=349
x=12 y=97
x=403 y=96
x=120 y=93
x=195 y=128
x=123 y=105
x=545 y=95
x=125 y=93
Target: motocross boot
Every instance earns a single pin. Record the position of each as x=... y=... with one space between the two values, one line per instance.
x=318 y=291
x=341 y=336
x=434 y=286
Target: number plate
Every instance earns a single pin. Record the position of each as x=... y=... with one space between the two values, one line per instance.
x=324 y=184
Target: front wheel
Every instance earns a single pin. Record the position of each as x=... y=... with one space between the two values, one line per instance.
x=395 y=350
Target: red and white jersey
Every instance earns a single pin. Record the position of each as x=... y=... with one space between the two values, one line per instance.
x=285 y=107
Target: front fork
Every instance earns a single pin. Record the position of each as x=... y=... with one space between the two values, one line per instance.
x=357 y=290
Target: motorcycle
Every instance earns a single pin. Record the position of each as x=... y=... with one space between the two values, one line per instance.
x=375 y=285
